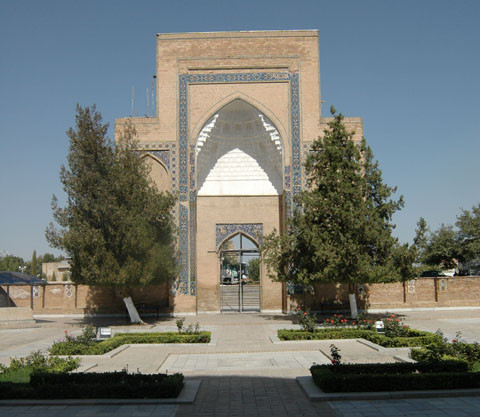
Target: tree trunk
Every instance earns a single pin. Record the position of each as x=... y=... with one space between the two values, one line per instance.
x=352 y=298
x=132 y=311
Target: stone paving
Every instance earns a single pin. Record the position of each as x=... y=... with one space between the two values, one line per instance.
x=243 y=372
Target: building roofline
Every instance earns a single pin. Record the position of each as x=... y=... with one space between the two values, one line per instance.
x=240 y=34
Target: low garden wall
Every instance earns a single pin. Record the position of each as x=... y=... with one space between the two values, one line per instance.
x=438 y=292
x=68 y=298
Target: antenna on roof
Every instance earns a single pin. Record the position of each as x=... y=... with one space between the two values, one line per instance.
x=133 y=100
x=153 y=104
x=148 y=105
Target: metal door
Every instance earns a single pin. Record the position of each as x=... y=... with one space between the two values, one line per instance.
x=239 y=275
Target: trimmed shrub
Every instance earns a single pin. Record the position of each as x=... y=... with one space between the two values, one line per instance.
x=415 y=338
x=394 y=377
x=69 y=347
x=95 y=385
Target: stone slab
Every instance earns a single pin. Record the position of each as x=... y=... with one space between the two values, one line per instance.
x=15 y=314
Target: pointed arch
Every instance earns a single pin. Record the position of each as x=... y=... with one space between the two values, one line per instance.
x=209 y=113
x=239 y=152
x=241 y=234
x=158 y=171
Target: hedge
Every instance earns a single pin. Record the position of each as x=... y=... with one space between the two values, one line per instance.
x=332 y=378
x=397 y=367
x=94 y=385
x=416 y=338
x=99 y=348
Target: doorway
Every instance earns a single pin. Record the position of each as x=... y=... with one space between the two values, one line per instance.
x=239 y=275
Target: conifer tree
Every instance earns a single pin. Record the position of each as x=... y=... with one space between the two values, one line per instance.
x=341 y=230
x=33 y=265
x=116 y=227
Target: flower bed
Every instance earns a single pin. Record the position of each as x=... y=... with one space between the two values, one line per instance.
x=414 y=338
x=394 y=377
x=442 y=349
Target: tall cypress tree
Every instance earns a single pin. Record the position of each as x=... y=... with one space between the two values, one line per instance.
x=33 y=265
x=116 y=227
x=342 y=228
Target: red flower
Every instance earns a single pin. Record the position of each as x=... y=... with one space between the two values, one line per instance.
x=354 y=323
x=305 y=313
x=454 y=341
x=298 y=308
x=334 y=361
x=334 y=315
x=404 y=326
x=393 y=315
x=388 y=319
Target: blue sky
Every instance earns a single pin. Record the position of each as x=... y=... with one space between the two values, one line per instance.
x=409 y=68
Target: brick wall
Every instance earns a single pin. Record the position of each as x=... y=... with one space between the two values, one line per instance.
x=68 y=298
x=417 y=293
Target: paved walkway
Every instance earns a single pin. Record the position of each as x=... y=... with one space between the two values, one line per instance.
x=243 y=373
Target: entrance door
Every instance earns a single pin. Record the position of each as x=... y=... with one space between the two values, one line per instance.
x=239 y=275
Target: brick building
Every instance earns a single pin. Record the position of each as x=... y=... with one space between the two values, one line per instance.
x=236 y=113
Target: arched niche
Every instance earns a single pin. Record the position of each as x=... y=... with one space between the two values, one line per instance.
x=158 y=173
x=239 y=152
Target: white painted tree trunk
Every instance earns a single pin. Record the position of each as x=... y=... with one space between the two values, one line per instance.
x=353 y=305
x=132 y=311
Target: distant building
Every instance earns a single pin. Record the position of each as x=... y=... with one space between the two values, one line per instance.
x=56 y=271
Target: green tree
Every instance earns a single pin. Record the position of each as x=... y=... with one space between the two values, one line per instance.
x=48 y=257
x=341 y=230
x=468 y=237
x=443 y=249
x=11 y=263
x=420 y=241
x=33 y=264
x=116 y=227
x=254 y=269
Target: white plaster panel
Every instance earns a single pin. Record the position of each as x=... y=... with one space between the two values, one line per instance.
x=239 y=152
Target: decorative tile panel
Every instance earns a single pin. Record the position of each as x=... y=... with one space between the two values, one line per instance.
x=163 y=156
x=182 y=285
x=193 y=240
x=286 y=176
x=165 y=152
x=253 y=230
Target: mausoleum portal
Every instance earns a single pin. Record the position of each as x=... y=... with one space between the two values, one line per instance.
x=236 y=113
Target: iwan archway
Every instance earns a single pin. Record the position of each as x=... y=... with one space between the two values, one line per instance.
x=239 y=160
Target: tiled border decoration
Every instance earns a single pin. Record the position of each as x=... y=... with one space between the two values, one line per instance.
x=186 y=188
x=183 y=284
x=164 y=156
x=253 y=230
x=193 y=248
x=167 y=153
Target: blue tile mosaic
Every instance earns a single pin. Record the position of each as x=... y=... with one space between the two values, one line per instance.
x=252 y=230
x=186 y=177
